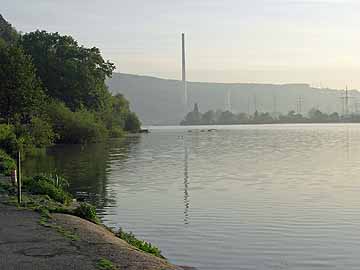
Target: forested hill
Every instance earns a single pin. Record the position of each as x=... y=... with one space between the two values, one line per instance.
x=160 y=101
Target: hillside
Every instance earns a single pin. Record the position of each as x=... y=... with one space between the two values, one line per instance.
x=160 y=101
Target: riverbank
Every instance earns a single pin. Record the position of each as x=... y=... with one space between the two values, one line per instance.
x=67 y=242
x=34 y=241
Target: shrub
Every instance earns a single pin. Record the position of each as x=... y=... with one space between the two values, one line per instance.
x=105 y=264
x=8 y=141
x=132 y=122
x=49 y=185
x=41 y=132
x=75 y=127
x=140 y=244
x=7 y=164
x=116 y=132
x=88 y=212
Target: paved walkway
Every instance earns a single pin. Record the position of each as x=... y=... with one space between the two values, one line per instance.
x=27 y=245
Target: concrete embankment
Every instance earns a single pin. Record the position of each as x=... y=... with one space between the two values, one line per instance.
x=68 y=242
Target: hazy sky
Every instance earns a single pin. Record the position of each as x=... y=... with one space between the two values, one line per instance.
x=277 y=41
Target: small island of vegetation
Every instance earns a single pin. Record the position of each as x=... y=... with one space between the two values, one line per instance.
x=219 y=117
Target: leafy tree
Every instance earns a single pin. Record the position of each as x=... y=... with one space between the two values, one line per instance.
x=208 y=118
x=81 y=126
x=243 y=118
x=227 y=118
x=21 y=94
x=8 y=140
x=132 y=122
x=193 y=117
x=70 y=73
x=7 y=33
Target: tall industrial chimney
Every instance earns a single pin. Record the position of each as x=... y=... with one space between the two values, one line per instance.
x=184 y=71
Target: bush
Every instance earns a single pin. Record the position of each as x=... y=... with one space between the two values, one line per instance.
x=116 y=132
x=88 y=212
x=25 y=138
x=75 y=127
x=7 y=164
x=132 y=122
x=52 y=186
x=140 y=244
x=8 y=140
x=41 y=132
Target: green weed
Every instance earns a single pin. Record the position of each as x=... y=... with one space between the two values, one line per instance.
x=140 y=244
x=105 y=264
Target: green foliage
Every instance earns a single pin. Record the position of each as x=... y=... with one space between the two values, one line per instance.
x=105 y=264
x=53 y=90
x=41 y=132
x=118 y=117
x=132 y=122
x=8 y=140
x=7 y=164
x=116 y=132
x=25 y=138
x=81 y=126
x=140 y=244
x=88 y=212
x=71 y=73
x=21 y=94
x=6 y=188
x=7 y=33
x=52 y=186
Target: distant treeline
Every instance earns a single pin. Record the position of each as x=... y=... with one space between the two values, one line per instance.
x=220 y=117
x=52 y=90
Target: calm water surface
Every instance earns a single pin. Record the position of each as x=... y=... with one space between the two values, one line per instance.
x=240 y=197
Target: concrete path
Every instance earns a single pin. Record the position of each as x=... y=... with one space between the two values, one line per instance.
x=27 y=245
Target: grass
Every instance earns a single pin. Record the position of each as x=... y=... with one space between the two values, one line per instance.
x=105 y=264
x=131 y=239
x=48 y=185
x=45 y=220
x=88 y=212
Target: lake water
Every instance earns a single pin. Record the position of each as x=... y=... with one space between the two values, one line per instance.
x=240 y=197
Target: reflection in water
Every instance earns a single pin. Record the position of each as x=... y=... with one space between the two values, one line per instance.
x=85 y=166
x=347 y=143
x=186 y=185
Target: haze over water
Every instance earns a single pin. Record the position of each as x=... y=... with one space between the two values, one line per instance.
x=240 y=197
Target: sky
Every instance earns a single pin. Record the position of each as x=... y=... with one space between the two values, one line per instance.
x=262 y=41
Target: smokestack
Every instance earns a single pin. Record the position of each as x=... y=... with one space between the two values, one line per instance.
x=184 y=72
x=183 y=57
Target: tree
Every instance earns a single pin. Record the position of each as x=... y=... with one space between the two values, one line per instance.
x=227 y=118
x=316 y=115
x=208 y=118
x=118 y=117
x=70 y=73
x=7 y=33
x=132 y=122
x=243 y=118
x=21 y=94
x=193 y=117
